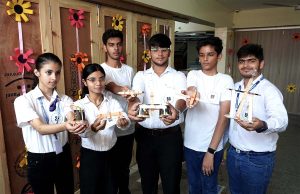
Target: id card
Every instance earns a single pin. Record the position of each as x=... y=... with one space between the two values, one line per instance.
x=58 y=146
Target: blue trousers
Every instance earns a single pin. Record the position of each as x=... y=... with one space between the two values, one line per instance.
x=249 y=172
x=198 y=182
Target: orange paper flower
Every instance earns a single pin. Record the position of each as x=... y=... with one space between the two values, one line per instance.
x=79 y=59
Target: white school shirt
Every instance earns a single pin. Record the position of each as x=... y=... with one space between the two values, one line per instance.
x=169 y=84
x=267 y=107
x=102 y=140
x=28 y=107
x=201 y=120
x=123 y=77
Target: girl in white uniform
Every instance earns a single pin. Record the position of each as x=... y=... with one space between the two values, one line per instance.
x=41 y=114
x=99 y=137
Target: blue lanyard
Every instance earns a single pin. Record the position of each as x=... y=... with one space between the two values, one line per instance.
x=240 y=88
x=45 y=115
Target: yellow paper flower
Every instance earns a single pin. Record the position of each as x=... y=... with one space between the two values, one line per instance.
x=291 y=88
x=117 y=22
x=20 y=9
x=146 y=56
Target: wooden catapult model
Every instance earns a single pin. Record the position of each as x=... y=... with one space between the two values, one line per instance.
x=131 y=93
x=192 y=95
x=80 y=115
x=246 y=94
x=145 y=109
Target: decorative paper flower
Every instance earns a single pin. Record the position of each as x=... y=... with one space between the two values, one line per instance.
x=117 y=22
x=230 y=51
x=245 y=41
x=291 y=88
x=22 y=60
x=146 y=29
x=296 y=36
x=146 y=56
x=20 y=9
x=79 y=59
x=122 y=59
x=76 y=18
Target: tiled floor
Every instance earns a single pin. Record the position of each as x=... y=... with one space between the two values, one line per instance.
x=286 y=175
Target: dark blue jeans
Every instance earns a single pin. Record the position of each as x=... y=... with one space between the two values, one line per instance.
x=198 y=182
x=249 y=172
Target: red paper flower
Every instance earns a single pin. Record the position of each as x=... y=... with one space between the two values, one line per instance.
x=22 y=60
x=146 y=29
x=245 y=41
x=296 y=36
x=230 y=51
x=122 y=59
x=79 y=59
x=76 y=18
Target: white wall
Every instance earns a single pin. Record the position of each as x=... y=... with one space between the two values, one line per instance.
x=266 y=18
x=208 y=10
x=192 y=27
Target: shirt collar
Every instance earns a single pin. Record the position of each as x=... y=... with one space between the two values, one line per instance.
x=37 y=93
x=168 y=69
x=86 y=100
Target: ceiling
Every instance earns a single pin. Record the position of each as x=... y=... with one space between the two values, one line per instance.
x=238 y=5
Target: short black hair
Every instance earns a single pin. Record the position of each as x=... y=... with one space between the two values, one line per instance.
x=251 y=49
x=213 y=41
x=160 y=40
x=111 y=33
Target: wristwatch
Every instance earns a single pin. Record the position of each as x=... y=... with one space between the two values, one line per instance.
x=211 y=151
x=263 y=128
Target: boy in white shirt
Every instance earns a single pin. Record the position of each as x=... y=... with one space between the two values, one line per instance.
x=251 y=156
x=205 y=122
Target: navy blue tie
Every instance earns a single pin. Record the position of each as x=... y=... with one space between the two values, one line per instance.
x=53 y=104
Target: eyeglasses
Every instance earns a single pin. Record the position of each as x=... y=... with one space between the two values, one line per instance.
x=247 y=61
x=156 y=49
x=210 y=54
x=93 y=79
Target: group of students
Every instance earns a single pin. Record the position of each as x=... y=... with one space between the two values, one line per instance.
x=107 y=144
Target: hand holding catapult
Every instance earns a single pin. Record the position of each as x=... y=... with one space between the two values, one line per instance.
x=192 y=97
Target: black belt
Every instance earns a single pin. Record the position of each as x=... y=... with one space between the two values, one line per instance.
x=157 y=131
x=249 y=152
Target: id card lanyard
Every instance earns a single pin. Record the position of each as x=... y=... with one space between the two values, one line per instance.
x=240 y=88
x=57 y=143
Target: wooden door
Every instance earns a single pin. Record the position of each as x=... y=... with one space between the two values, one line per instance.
x=143 y=30
x=13 y=81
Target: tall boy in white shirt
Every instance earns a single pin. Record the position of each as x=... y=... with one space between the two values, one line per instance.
x=119 y=78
